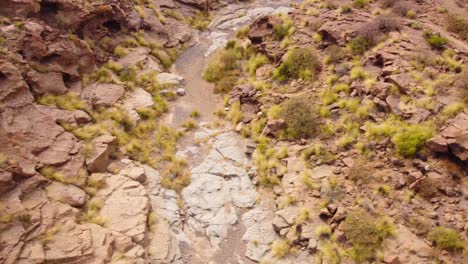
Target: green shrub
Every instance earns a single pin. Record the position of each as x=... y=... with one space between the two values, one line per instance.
x=243 y=32
x=361 y=171
x=360 y=3
x=411 y=14
x=335 y=54
x=201 y=20
x=120 y=51
x=284 y=29
x=453 y=109
x=402 y=8
x=435 y=40
x=410 y=139
x=224 y=61
x=331 y=191
x=163 y=57
x=281 y=248
x=69 y=101
x=301 y=117
x=442 y=9
x=331 y=253
x=235 y=113
x=225 y=84
x=320 y=152
x=446 y=238
x=176 y=176
x=299 y=63
x=426 y=188
x=366 y=232
x=458 y=25
x=359 y=45
x=256 y=61
x=372 y=32
x=345 y=9
x=195 y=114
x=174 y=14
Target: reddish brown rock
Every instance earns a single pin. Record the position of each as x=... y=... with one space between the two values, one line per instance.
x=262 y=28
x=19 y=7
x=99 y=159
x=102 y=94
x=438 y=144
x=274 y=127
x=403 y=81
x=66 y=193
x=453 y=138
x=6 y=181
x=47 y=83
x=246 y=95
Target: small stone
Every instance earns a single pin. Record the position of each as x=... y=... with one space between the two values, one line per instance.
x=340 y=214
x=316 y=194
x=312 y=246
x=135 y=173
x=180 y=92
x=250 y=147
x=81 y=117
x=239 y=127
x=378 y=165
x=332 y=208
x=324 y=213
x=348 y=162
x=168 y=78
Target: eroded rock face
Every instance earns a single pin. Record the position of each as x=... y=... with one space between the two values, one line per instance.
x=19 y=8
x=30 y=136
x=453 y=138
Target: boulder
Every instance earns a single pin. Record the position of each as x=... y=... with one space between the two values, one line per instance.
x=102 y=148
x=134 y=172
x=246 y=94
x=6 y=181
x=453 y=138
x=66 y=193
x=180 y=91
x=262 y=28
x=47 y=83
x=102 y=94
x=274 y=127
x=169 y=78
x=403 y=81
x=19 y=8
x=63 y=116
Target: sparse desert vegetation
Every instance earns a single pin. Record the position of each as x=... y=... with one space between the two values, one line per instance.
x=299 y=63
